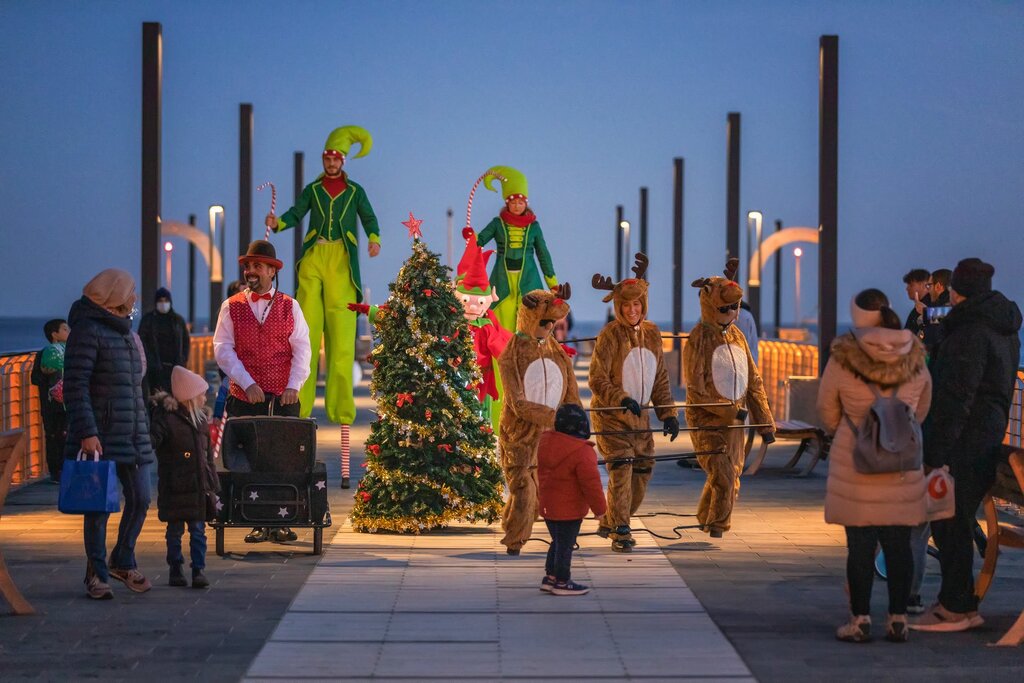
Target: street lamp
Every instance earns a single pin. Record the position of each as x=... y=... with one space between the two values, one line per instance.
x=797 y=253
x=168 y=251
x=624 y=226
x=216 y=274
x=754 y=221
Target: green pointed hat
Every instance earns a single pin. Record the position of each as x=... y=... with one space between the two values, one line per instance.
x=514 y=184
x=341 y=139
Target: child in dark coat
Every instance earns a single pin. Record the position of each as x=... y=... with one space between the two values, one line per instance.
x=188 y=477
x=569 y=485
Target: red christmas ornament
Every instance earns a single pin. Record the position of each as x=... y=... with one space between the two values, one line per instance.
x=428 y=292
x=486 y=429
x=445 y=447
x=402 y=399
x=429 y=414
x=446 y=338
x=373 y=448
x=365 y=496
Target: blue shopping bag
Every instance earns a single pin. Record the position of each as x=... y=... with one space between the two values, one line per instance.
x=88 y=486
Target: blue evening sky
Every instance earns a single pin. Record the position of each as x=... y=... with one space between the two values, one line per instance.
x=590 y=99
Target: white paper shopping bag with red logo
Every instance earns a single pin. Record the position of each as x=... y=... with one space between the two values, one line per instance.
x=941 y=503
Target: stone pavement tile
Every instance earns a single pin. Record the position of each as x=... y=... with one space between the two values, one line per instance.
x=326 y=660
x=433 y=627
x=558 y=645
x=322 y=597
x=531 y=600
x=332 y=627
x=479 y=598
x=438 y=660
x=648 y=600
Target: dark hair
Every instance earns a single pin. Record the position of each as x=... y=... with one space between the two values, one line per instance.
x=52 y=327
x=941 y=276
x=916 y=275
x=234 y=287
x=876 y=300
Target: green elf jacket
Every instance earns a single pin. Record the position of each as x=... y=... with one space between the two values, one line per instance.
x=334 y=219
x=518 y=257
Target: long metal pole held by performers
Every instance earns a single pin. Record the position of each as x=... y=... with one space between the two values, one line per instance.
x=732 y=191
x=245 y=121
x=677 y=250
x=828 y=194
x=298 y=231
x=152 y=87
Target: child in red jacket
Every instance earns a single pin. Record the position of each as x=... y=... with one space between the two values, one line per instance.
x=569 y=485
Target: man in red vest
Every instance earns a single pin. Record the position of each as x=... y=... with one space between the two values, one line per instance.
x=262 y=345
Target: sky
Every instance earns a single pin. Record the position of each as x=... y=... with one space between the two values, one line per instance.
x=591 y=100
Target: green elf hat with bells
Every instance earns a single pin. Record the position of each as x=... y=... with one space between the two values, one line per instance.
x=341 y=139
x=513 y=184
x=472 y=269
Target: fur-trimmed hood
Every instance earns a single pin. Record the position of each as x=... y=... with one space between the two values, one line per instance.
x=169 y=404
x=880 y=355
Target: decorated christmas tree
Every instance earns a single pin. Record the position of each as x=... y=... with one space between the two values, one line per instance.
x=430 y=457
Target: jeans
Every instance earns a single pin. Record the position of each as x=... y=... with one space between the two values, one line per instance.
x=919 y=536
x=954 y=537
x=563 y=538
x=861 y=542
x=135 y=487
x=196 y=543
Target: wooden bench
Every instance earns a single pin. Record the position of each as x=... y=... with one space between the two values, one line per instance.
x=1008 y=487
x=13 y=447
x=809 y=436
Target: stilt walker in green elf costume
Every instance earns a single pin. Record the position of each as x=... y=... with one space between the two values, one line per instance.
x=517 y=236
x=328 y=271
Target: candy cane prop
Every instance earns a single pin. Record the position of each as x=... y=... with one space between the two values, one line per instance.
x=472 y=192
x=273 y=203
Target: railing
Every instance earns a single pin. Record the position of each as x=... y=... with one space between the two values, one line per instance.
x=1015 y=426
x=200 y=353
x=20 y=406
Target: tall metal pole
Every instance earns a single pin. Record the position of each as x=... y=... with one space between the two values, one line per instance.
x=299 y=231
x=778 y=285
x=732 y=186
x=643 y=220
x=618 y=243
x=192 y=277
x=828 y=193
x=753 y=293
x=677 y=250
x=152 y=88
x=244 y=178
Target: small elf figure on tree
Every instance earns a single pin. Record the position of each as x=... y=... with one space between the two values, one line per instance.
x=430 y=457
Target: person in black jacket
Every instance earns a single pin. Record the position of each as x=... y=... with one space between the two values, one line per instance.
x=48 y=376
x=187 y=475
x=917 y=291
x=165 y=337
x=107 y=415
x=974 y=370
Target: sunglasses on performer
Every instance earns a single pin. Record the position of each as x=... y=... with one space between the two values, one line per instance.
x=726 y=309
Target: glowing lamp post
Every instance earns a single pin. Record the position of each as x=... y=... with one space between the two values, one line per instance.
x=168 y=253
x=624 y=226
x=216 y=266
x=797 y=253
x=754 y=221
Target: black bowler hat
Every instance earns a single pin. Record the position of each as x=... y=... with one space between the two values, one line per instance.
x=263 y=252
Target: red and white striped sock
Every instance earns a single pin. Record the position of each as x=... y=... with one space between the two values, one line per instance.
x=344 y=452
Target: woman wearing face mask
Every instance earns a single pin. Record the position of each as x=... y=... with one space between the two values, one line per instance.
x=107 y=415
x=166 y=341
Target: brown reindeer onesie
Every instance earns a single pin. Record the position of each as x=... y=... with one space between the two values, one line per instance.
x=627 y=371
x=719 y=369
x=537 y=376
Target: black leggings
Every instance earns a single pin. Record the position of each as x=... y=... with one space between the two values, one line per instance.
x=563 y=538
x=861 y=542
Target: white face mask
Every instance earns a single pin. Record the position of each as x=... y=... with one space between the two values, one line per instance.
x=163 y=306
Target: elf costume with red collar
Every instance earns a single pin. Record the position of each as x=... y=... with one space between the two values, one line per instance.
x=475 y=292
x=329 y=280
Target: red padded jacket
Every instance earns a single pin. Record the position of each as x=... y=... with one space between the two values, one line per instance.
x=569 y=481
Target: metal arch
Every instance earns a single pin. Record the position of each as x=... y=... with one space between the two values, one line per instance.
x=776 y=241
x=202 y=241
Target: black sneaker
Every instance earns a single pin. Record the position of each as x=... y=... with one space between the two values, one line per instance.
x=176 y=577
x=258 y=535
x=569 y=588
x=199 y=579
x=547 y=583
x=915 y=605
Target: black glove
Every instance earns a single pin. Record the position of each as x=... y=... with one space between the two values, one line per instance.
x=670 y=426
x=741 y=415
x=631 y=405
x=768 y=438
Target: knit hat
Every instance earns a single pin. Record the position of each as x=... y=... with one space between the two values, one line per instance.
x=111 y=288
x=186 y=385
x=341 y=139
x=862 y=317
x=972 y=276
x=162 y=293
x=572 y=420
x=514 y=184
x=263 y=252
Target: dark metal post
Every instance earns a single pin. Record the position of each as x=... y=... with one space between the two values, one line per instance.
x=244 y=178
x=152 y=87
x=732 y=184
x=643 y=220
x=828 y=193
x=192 y=276
x=298 y=229
x=677 y=249
x=778 y=285
x=618 y=243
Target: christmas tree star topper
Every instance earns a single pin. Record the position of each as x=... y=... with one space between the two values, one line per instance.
x=413 y=224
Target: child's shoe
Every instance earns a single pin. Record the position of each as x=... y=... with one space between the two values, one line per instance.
x=569 y=588
x=856 y=630
x=896 y=628
x=915 y=605
x=199 y=579
x=547 y=583
x=176 y=577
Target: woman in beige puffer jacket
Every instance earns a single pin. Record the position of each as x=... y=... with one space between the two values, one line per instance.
x=874 y=508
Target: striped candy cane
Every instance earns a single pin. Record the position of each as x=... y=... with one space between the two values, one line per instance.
x=273 y=203
x=472 y=192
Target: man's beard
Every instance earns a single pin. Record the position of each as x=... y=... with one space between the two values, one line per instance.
x=253 y=281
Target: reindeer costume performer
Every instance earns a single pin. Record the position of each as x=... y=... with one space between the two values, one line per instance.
x=627 y=371
x=538 y=377
x=719 y=369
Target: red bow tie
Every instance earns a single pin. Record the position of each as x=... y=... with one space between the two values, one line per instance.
x=256 y=297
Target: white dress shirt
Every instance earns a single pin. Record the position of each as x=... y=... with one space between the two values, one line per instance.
x=224 y=343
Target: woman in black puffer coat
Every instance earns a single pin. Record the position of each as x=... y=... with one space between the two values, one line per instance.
x=107 y=414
